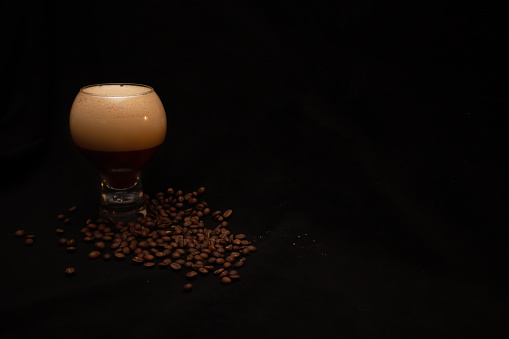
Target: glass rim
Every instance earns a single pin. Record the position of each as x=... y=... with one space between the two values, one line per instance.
x=148 y=91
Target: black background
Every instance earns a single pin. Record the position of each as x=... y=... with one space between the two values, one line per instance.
x=360 y=144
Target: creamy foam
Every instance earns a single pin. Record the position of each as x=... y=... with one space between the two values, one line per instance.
x=114 y=117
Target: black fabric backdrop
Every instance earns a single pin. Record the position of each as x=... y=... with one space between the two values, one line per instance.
x=360 y=144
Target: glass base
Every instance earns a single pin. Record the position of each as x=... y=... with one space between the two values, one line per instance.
x=122 y=204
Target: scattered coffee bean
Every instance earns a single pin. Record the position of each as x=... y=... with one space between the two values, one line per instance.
x=191 y=274
x=60 y=230
x=187 y=287
x=175 y=266
x=70 y=249
x=29 y=241
x=62 y=241
x=67 y=220
x=70 y=271
x=71 y=242
x=72 y=209
x=149 y=265
x=100 y=246
x=106 y=256
x=61 y=216
x=234 y=276
x=19 y=233
x=226 y=280
x=94 y=254
x=218 y=271
x=227 y=214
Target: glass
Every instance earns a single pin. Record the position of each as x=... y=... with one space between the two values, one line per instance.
x=118 y=128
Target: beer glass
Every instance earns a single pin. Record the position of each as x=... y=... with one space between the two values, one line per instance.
x=118 y=127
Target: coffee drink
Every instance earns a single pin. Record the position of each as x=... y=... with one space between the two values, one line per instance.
x=118 y=128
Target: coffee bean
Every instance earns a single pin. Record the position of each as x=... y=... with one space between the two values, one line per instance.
x=72 y=209
x=234 y=276
x=70 y=271
x=94 y=254
x=233 y=272
x=220 y=261
x=187 y=288
x=106 y=256
x=100 y=246
x=149 y=265
x=251 y=248
x=163 y=265
x=67 y=220
x=70 y=249
x=29 y=241
x=238 y=264
x=175 y=266
x=62 y=241
x=226 y=280
x=223 y=274
x=61 y=216
x=19 y=233
x=203 y=270
x=227 y=264
x=191 y=274
x=136 y=260
x=149 y=257
x=218 y=271
x=227 y=214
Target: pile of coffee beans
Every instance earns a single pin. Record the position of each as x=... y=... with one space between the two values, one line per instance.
x=179 y=232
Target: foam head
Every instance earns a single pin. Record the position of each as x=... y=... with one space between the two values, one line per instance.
x=117 y=117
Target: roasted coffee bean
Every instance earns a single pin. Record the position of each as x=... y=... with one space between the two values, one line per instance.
x=223 y=274
x=220 y=261
x=67 y=220
x=61 y=216
x=234 y=276
x=203 y=270
x=149 y=265
x=226 y=280
x=60 y=230
x=238 y=264
x=218 y=271
x=29 y=241
x=19 y=233
x=100 y=246
x=163 y=265
x=137 y=259
x=72 y=209
x=126 y=250
x=188 y=264
x=187 y=288
x=70 y=271
x=149 y=257
x=227 y=264
x=70 y=249
x=227 y=214
x=62 y=241
x=251 y=248
x=106 y=256
x=175 y=266
x=191 y=274
x=94 y=254
x=88 y=239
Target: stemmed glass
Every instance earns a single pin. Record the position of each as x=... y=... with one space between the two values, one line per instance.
x=118 y=127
